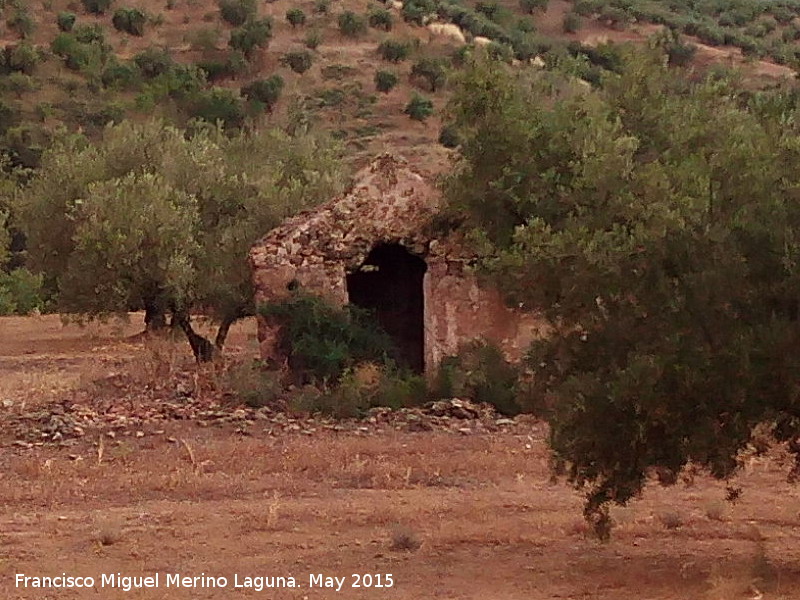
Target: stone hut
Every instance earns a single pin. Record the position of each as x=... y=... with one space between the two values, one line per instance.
x=374 y=247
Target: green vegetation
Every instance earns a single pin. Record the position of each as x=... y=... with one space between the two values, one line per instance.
x=265 y=91
x=296 y=17
x=380 y=18
x=298 y=61
x=394 y=51
x=66 y=21
x=385 y=81
x=254 y=34
x=430 y=73
x=351 y=24
x=419 y=108
x=129 y=20
x=237 y=12
x=656 y=218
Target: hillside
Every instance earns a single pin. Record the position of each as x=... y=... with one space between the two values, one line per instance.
x=179 y=57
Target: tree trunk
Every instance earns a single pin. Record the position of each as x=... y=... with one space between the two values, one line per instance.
x=204 y=351
x=155 y=318
x=222 y=332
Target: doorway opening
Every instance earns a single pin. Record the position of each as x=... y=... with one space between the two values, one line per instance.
x=389 y=284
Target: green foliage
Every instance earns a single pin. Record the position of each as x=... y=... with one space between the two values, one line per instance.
x=153 y=62
x=298 y=61
x=21 y=22
x=237 y=12
x=79 y=55
x=313 y=39
x=265 y=91
x=530 y=6
x=296 y=17
x=21 y=292
x=120 y=76
x=480 y=373
x=394 y=51
x=253 y=384
x=351 y=24
x=652 y=223
x=218 y=105
x=96 y=7
x=380 y=18
x=449 y=137
x=229 y=67
x=154 y=217
x=571 y=22
x=252 y=35
x=22 y=58
x=321 y=340
x=129 y=20
x=322 y=7
x=385 y=81
x=430 y=72
x=415 y=11
x=366 y=386
x=66 y=21
x=419 y=108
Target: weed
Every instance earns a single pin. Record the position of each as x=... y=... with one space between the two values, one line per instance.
x=403 y=539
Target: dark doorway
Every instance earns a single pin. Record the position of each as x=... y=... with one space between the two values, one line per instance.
x=389 y=283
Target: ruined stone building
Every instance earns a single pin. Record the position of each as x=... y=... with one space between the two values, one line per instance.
x=373 y=247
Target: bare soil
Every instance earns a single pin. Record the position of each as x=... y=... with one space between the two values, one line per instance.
x=447 y=515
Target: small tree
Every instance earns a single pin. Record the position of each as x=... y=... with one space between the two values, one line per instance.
x=313 y=39
x=351 y=24
x=66 y=21
x=298 y=61
x=129 y=20
x=394 y=51
x=321 y=7
x=419 y=108
x=265 y=91
x=237 y=12
x=296 y=17
x=571 y=22
x=218 y=105
x=385 y=81
x=380 y=18
x=97 y=7
x=22 y=23
x=530 y=6
x=251 y=36
x=431 y=71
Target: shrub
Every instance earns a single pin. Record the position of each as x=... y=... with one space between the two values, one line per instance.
x=529 y=6
x=385 y=81
x=380 y=18
x=21 y=292
x=237 y=12
x=22 y=58
x=265 y=91
x=321 y=340
x=218 y=104
x=90 y=34
x=321 y=7
x=252 y=35
x=449 y=137
x=298 y=61
x=571 y=22
x=205 y=39
x=312 y=40
x=351 y=24
x=21 y=22
x=586 y=8
x=296 y=17
x=120 y=75
x=129 y=20
x=153 y=62
x=394 y=51
x=419 y=108
x=229 y=68
x=66 y=21
x=431 y=71
x=481 y=373
x=415 y=11
x=96 y=7
x=253 y=384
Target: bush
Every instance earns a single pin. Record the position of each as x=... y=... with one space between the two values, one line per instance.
x=96 y=7
x=253 y=384
x=296 y=17
x=229 y=68
x=22 y=23
x=419 y=108
x=431 y=71
x=120 y=75
x=380 y=18
x=449 y=137
x=385 y=81
x=66 y=21
x=252 y=35
x=571 y=23
x=90 y=34
x=321 y=7
x=218 y=104
x=298 y=61
x=265 y=91
x=415 y=11
x=153 y=62
x=22 y=58
x=129 y=20
x=394 y=51
x=312 y=40
x=321 y=340
x=529 y=6
x=21 y=292
x=237 y=12
x=351 y=24
x=480 y=373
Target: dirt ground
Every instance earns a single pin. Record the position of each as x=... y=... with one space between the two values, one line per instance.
x=446 y=515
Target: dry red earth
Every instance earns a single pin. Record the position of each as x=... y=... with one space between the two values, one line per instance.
x=489 y=523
